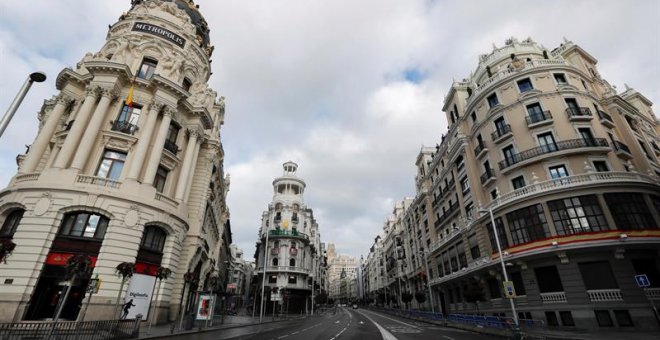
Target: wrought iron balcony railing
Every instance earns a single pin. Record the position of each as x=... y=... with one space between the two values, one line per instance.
x=500 y=132
x=490 y=173
x=124 y=127
x=578 y=112
x=550 y=148
x=538 y=117
x=171 y=146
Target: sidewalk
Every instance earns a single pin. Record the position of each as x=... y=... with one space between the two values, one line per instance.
x=230 y=321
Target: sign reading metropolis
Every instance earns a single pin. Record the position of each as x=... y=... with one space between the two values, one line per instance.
x=160 y=32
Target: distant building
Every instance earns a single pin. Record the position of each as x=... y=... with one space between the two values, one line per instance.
x=289 y=246
x=127 y=166
x=241 y=271
x=338 y=264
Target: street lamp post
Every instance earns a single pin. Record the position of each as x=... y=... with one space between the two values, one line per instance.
x=263 y=279
x=428 y=279
x=36 y=77
x=516 y=328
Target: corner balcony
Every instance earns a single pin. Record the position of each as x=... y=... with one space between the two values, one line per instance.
x=501 y=133
x=579 y=113
x=582 y=180
x=100 y=181
x=539 y=119
x=530 y=155
x=283 y=233
x=605 y=119
x=622 y=150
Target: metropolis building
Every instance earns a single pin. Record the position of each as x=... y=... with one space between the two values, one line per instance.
x=569 y=167
x=139 y=182
x=289 y=249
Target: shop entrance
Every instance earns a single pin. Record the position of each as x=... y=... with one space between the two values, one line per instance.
x=49 y=292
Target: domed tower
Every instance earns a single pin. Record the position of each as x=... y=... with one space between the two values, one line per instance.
x=289 y=243
x=127 y=167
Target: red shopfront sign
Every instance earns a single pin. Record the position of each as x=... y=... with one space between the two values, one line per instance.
x=59 y=259
x=146 y=268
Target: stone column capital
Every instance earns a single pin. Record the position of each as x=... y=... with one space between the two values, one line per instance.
x=168 y=110
x=93 y=91
x=64 y=99
x=111 y=94
x=156 y=106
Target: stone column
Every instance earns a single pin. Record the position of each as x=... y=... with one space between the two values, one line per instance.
x=187 y=164
x=93 y=128
x=79 y=125
x=41 y=143
x=159 y=143
x=200 y=141
x=143 y=142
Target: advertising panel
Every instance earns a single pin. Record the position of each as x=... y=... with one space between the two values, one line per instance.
x=138 y=296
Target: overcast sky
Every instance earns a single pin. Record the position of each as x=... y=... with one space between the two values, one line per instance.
x=350 y=90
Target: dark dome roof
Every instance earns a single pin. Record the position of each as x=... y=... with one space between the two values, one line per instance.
x=196 y=18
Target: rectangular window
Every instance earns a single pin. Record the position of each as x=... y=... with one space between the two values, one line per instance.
x=548 y=279
x=527 y=224
x=551 y=318
x=572 y=105
x=547 y=142
x=566 y=318
x=493 y=193
x=462 y=259
x=465 y=185
x=474 y=247
x=293 y=279
x=629 y=211
x=130 y=115
x=535 y=113
x=147 y=68
x=161 y=177
x=558 y=171
x=601 y=166
x=111 y=165
x=525 y=85
x=577 y=214
x=492 y=100
x=604 y=319
x=646 y=152
x=501 y=126
x=172 y=135
x=560 y=78
x=473 y=116
x=501 y=234
x=623 y=318
x=509 y=155
x=518 y=283
x=272 y=279
x=518 y=182
x=587 y=136
x=597 y=275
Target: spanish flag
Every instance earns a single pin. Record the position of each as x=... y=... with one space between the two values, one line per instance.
x=129 y=99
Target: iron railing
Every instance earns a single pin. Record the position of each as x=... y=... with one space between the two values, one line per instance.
x=500 y=131
x=538 y=117
x=578 y=112
x=124 y=127
x=486 y=175
x=71 y=330
x=294 y=233
x=618 y=146
x=550 y=148
x=479 y=148
x=171 y=146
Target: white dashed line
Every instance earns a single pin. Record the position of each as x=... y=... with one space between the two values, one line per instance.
x=448 y=337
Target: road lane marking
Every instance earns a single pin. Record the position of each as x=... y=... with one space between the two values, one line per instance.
x=401 y=322
x=448 y=337
x=383 y=332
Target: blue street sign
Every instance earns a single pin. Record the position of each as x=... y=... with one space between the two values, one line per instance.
x=642 y=280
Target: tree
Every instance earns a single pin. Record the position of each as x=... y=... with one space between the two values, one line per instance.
x=77 y=266
x=406 y=297
x=474 y=292
x=6 y=248
x=125 y=270
x=162 y=273
x=420 y=297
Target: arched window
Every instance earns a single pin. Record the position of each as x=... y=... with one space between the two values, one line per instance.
x=11 y=223
x=84 y=224
x=292 y=262
x=275 y=261
x=153 y=239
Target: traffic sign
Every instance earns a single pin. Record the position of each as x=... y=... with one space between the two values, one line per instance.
x=509 y=289
x=642 y=281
